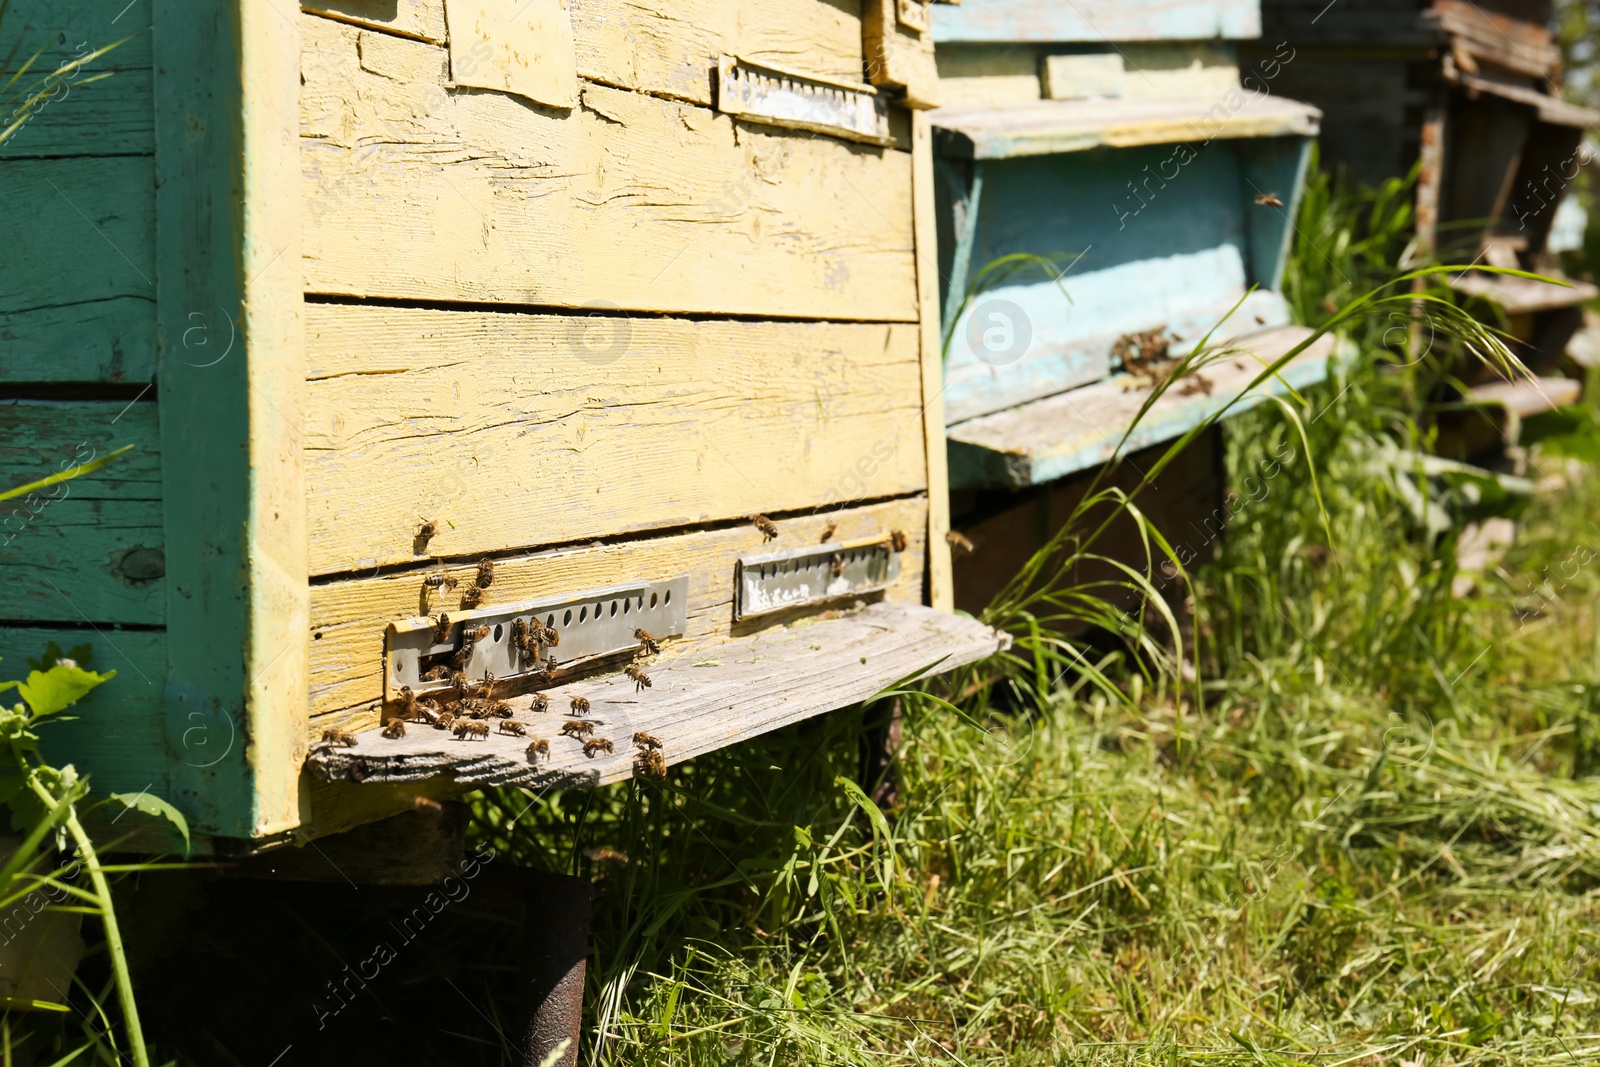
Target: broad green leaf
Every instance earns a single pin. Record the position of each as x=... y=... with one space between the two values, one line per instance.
x=60 y=687
x=152 y=805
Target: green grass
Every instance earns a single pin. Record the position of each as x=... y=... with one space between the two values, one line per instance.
x=1369 y=833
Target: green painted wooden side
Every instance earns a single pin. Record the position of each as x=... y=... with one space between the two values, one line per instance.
x=77 y=270
x=1275 y=166
x=109 y=117
x=88 y=550
x=116 y=737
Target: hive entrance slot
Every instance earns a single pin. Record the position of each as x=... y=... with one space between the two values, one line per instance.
x=589 y=625
x=777 y=581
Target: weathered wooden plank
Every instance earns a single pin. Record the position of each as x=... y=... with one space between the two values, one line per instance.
x=77 y=282
x=1072 y=431
x=74 y=560
x=762 y=682
x=1520 y=296
x=481 y=421
x=348 y=617
x=227 y=97
x=1097 y=21
x=628 y=201
x=1050 y=127
x=941 y=593
x=117 y=738
x=104 y=341
x=663 y=47
x=901 y=56
x=113 y=116
x=41 y=437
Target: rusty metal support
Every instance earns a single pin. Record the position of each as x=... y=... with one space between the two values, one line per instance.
x=556 y=945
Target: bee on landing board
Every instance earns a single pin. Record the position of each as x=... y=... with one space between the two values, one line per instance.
x=441 y=629
x=641 y=680
x=769 y=530
x=580 y=705
x=644 y=740
x=395 y=730
x=541 y=703
x=897 y=540
x=500 y=709
x=485 y=573
x=513 y=729
x=408 y=701
x=648 y=763
x=648 y=640
x=596 y=745
x=469 y=728
x=423 y=715
x=333 y=736
x=539 y=748
x=577 y=728
x=445 y=721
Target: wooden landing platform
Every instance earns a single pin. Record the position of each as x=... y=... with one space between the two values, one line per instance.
x=698 y=703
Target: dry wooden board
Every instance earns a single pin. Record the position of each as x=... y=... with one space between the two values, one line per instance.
x=1552 y=110
x=1047 y=127
x=628 y=201
x=1519 y=296
x=900 y=56
x=664 y=47
x=762 y=683
x=497 y=425
x=348 y=617
x=1525 y=398
x=1072 y=431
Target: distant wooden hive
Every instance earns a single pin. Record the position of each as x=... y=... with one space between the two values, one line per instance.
x=1472 y=90
x=1161 y=176
x=375 y=299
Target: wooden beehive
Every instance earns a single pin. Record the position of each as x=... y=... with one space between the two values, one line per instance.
x=1160 y=176
x=1472 y=92
x=581 y=285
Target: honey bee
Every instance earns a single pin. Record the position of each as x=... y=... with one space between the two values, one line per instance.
x=520 y=639
x=580 y=705
x=897 y=540
x=577 y=728
x=445 y=721
x=458 y=680
x=469 y=728
x=358 y=770
x=441 y=629
x=428 y=530
x=462 y=657
x=827 y=534
x=499 y=708
x=608 y=856
x=485 y=573
x=1267 y=200
x=541 y=703
x=546 y=635
x=641 y=680
x=423 y=715
x=649 y=763
x=768 y=529
x=332 y=736
x=395 y=730
x=836 y=565
x=486 y=687
x=648 y=640
x=648 y=741
x=539 y=748
x=408 y=700
x=473 y=597
x=596 y=745
x=513 y=729
x=480 y=633
x=436 y=674
x=440 y=581
x=957 y=540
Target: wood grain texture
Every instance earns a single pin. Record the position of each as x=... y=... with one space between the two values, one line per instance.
x=941 y=592
x=113 y=116
x=1049 y=127
x=227 y=151
x=483 y=422
x=41 y=437
x=663 y=47
x=1097 y=21
x=117 y=736
x=77 y=282
x=762 y=683
x=629 y=201
x=899 y=57
x=1063 y=434
x=80 y=559
x=348 y=617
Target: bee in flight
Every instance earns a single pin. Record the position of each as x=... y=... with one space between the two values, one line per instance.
x=641 y=680
x=769 y=529
x=1267 y=200
x=645 y=638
